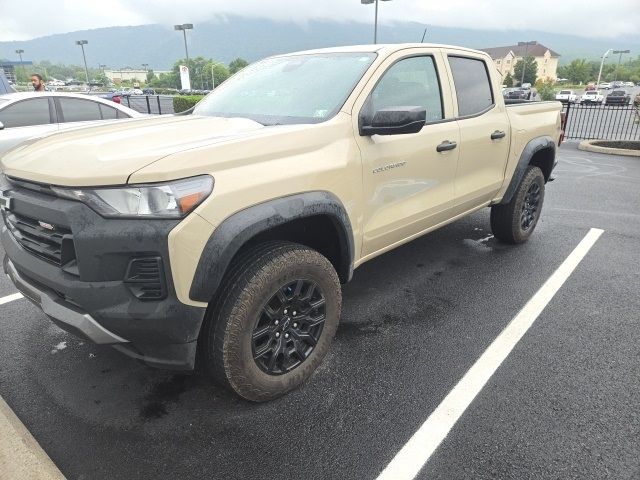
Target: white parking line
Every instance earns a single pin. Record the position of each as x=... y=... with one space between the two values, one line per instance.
x=416 y=453
x=10 y=298
x=20 y=455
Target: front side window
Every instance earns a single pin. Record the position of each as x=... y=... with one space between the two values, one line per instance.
x=288 y=90
x=412 y=82
x=472 y=84
x=78 y=110
x=34 y=111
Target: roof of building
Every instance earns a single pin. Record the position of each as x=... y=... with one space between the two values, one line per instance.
x=535 y=50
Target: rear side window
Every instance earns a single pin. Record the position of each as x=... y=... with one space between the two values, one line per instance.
x=78 y=110
x=473 y=87
x=108 y=113
x=26 y=113
x=409 y=82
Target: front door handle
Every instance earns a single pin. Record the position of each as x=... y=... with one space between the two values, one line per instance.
x=497 y=134
x=446 y=145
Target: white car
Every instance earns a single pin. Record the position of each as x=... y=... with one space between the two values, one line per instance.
x=26 y=115
x=628 y=84
x=605 y=86
x=592 y=96
x=567 y=96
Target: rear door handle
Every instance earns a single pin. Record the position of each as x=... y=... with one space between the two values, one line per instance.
x=497 y=134
x=446 y=145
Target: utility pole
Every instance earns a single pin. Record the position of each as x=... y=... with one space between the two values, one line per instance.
x=184 y=27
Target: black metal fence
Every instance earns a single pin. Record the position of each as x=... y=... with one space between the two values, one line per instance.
x=155 y=104
x=602 y=122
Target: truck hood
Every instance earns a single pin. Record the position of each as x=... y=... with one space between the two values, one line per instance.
x=109 y=154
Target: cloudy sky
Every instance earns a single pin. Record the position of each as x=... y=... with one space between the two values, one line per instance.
x=26 y=19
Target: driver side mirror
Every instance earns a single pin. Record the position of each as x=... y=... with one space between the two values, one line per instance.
x=1 y=126
x=394 y=121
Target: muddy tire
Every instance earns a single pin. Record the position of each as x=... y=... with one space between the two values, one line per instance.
x=273 y=322
x=515 y=221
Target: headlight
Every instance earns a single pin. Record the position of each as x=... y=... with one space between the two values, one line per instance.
x=156 y=200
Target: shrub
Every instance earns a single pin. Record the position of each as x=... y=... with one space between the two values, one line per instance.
x=182 y=103
x=545 y=89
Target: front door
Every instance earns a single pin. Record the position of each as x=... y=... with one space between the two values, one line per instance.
x=408 y=184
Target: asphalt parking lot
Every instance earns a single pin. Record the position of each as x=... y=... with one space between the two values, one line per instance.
x=563 y=404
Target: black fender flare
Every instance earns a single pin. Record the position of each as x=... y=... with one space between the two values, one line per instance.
x=534 y=145
x=227 y=239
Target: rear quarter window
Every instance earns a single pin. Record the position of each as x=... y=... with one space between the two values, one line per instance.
x=473 y=85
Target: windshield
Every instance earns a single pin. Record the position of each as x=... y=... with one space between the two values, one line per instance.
x=288 y=90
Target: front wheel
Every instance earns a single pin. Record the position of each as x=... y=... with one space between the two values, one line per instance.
x=515 y=221
x=272 y=325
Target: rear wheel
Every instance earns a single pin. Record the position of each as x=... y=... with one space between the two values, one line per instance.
x=515 y=221
x=273 y=323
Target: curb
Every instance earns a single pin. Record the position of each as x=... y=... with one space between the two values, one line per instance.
x=20 y=455
x=588 y=147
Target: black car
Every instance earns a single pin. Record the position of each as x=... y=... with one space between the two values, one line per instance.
x=617 y=97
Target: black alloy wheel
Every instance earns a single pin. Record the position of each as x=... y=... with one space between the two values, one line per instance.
x=289 y=327
x=530 y=206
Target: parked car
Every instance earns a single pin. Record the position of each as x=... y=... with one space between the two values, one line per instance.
x=226 y=233
x=617 y=85
x=618 y=97
x=636 y=101
x=516 y=94
x=590 y=87
x=628 y=84
x=604 y=86
x=137 y=91
x=25 y=115
x=592 y=96
x=148 y=91
x=113 y=96
x=565 y=96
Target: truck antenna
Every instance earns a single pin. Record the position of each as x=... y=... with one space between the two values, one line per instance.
x=423 y=35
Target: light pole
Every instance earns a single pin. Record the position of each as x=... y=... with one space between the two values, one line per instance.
x=375 y=25
x=20 y=52
x=524 y=59
x=605 y=55
x=184 y=27
x=620 y=52
x=146 y=67
x=82 y=43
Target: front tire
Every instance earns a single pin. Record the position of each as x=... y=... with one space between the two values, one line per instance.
x=274 y=321
x=515 y=221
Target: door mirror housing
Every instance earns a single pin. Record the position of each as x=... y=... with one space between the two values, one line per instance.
x=394 y=121
x=1 y=126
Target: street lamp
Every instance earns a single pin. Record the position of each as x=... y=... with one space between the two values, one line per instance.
x=620 y=52
x=375 y=25
x=605 y=55
x=82 y=43
x=184 y=27
x=146 y=67
x=524 y=58
x=20 y=52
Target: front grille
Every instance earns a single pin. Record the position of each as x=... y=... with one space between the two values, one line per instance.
x=50 y=242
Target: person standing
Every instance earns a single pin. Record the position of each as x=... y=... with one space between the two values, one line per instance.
x=37 y=82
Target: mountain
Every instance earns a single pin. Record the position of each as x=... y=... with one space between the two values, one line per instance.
x=252 y=38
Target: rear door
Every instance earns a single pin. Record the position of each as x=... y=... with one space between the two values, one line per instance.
x=407 y=184
x=484 y=131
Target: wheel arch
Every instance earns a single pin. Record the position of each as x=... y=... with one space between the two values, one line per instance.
x=314 y=219
x=540 y=152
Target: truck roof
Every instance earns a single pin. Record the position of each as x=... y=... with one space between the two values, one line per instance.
x=379 y=48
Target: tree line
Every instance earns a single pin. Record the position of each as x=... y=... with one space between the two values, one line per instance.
x=204 y=73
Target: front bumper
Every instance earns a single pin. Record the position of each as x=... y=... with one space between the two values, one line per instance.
x=90 y=293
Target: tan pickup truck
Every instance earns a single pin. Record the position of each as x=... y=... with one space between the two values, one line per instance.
x=223 y=235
